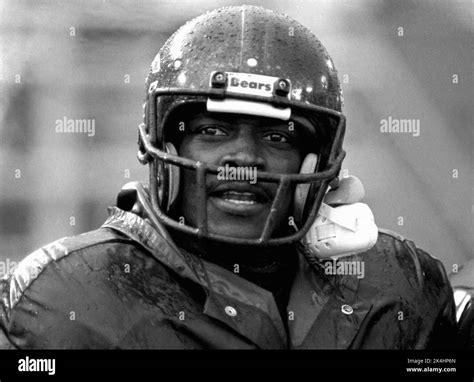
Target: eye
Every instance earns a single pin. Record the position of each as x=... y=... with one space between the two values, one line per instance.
x=211 y=130
x=276 y=137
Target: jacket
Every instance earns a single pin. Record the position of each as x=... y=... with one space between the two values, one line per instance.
x=127 y=285
x=463 y=286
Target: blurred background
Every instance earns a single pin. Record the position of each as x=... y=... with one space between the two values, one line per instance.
x=88 y=60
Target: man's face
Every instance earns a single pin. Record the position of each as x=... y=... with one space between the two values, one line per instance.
x=238 y=205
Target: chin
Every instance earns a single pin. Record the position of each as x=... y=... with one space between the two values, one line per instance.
x=243 y=231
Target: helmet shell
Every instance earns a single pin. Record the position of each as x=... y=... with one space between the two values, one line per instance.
x=248 y=39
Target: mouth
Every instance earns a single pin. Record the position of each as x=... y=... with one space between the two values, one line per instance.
x=240 y=200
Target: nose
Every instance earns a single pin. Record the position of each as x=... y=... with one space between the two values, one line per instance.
x=244 y=151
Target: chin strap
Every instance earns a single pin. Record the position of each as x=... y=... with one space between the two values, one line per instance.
x=343 y=226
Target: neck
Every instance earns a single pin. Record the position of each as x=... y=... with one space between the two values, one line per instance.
x=271 y=268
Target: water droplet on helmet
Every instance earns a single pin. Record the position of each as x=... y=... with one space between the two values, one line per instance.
x=252 y=62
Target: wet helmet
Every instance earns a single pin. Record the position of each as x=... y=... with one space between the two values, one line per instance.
x=250 y=60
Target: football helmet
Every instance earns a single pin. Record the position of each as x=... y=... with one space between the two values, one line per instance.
x=249 y=60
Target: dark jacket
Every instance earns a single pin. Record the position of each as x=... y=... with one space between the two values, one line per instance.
x=463 y=286
x=128 y=285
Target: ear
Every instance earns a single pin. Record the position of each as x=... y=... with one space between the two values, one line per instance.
x=301 y=191
x=173 y=176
